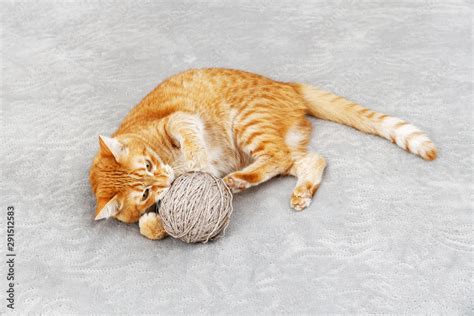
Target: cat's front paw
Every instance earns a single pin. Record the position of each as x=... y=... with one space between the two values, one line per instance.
x=236 y=184
x=151 y=227
x=197 y=162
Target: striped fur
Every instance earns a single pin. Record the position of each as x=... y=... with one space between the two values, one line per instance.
x=244 y=127
x=327 y=106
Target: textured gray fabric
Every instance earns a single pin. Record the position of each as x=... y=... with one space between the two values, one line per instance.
x=387 y=231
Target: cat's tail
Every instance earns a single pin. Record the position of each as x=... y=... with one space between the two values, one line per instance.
x=328 y=106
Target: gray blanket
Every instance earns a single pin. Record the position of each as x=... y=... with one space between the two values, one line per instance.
x=387 y=232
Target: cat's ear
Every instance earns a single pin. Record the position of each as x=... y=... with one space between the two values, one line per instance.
x=106 y=208
x=112 y=146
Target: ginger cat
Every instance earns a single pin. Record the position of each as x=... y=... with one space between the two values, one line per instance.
x=234 y=124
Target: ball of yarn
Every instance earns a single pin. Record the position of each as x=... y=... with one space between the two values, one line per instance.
x=196 y=208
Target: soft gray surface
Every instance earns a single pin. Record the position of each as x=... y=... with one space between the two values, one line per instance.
x=387 y=232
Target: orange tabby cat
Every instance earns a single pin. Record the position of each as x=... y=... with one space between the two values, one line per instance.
x=234 y=124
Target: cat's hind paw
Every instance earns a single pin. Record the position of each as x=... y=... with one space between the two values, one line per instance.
x=301 y=197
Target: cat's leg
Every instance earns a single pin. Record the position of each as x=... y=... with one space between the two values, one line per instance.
x=309 y=169
x=270 y=160
x=187 y=132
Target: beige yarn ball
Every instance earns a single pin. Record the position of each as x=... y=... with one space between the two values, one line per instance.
x=196 y=208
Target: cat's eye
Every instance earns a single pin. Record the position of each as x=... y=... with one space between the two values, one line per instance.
x=145 y=195
x=148 y=165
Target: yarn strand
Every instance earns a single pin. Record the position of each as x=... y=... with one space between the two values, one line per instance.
x=197 y=207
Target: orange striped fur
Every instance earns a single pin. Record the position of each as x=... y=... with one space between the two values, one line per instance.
x=241 y=126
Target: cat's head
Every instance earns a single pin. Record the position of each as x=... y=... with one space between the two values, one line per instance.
x=127 y=177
